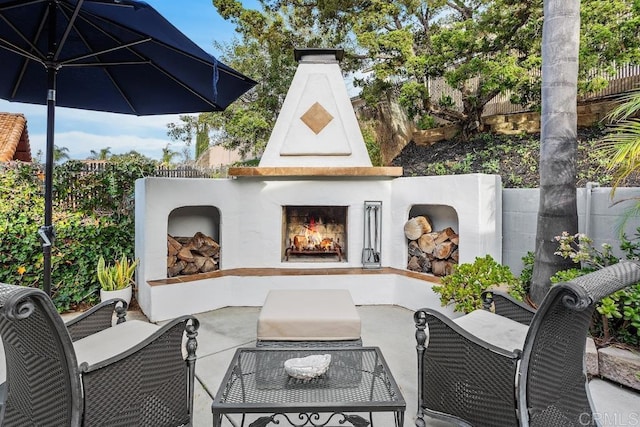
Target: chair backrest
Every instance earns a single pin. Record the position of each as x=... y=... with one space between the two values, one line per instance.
x=43 y=382
x=553 y=388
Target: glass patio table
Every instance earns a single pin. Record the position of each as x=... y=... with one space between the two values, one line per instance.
x=358 y=382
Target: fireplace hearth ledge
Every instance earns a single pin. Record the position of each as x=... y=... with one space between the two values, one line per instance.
x=247 y=287
x=317 y=171
x=263 y=272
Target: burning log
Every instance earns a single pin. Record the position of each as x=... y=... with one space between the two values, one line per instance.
x=434 y=252
x=192 y=255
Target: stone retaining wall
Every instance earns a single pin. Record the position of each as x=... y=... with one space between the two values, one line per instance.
x=515 y=124
x=615 y=364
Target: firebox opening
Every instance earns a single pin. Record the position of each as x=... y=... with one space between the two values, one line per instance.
x=193 y=241
x=314 y=233
x=434 y=250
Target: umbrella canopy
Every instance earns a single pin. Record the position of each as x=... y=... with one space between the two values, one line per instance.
x=119 y=56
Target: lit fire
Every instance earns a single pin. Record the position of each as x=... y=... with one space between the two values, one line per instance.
x=310 y=239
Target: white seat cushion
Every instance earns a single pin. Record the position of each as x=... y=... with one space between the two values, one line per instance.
x=309 y=315
x=104 y=344
x=494 y=329
x=112 y=341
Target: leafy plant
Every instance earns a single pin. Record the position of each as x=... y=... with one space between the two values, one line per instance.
x=84 y=232
x=427 y=121
x=464 y=165
x=465 y=285
x=618 y=315
x=620 y=145
x=492 y=166
x=107 y=191
x=373 y=146
x=439 y=169
x=527 y=271
x=579 y=248
x=116 y=276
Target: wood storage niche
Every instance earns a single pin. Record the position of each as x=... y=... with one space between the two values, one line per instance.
x=192 y=255
x=430 y=250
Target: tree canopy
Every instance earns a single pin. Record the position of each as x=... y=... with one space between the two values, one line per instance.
x=482 y=48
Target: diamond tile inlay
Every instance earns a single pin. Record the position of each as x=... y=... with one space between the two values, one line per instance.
x=317 y=118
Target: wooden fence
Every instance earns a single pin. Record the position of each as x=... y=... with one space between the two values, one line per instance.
x=186 y=172
x=93 y=166
x=95 y=197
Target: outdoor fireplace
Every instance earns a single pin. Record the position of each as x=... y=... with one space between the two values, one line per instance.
x=314 y=214
x=314 y=233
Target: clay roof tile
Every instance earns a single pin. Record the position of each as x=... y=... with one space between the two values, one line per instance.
x=14 y=138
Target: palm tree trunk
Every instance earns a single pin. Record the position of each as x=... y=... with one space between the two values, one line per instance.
x=558 y=140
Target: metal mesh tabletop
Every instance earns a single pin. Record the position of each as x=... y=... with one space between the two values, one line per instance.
x=357 y=379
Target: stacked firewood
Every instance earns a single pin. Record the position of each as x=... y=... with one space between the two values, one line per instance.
x=434 y=252
x=191 y=255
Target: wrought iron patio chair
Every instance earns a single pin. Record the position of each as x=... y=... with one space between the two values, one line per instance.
x=97 y=318
x=134 y=373
x=487 y=369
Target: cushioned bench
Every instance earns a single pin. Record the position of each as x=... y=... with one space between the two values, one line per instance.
x=309 y=317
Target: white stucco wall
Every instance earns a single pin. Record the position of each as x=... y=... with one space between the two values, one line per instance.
x=598 y=217
x=210 y=294
x=317 y=82
x=251 y=233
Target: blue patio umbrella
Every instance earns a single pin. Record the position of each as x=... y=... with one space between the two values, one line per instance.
x=118 y=56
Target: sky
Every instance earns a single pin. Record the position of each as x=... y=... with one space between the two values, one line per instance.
x=81 y=131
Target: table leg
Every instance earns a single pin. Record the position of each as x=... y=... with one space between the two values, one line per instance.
x=399 y=418
x=217 y=420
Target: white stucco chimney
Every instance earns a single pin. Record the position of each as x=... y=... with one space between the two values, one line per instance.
x=317 y=125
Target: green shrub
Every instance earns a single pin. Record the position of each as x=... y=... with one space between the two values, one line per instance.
x=373 y=146
x=617 y=316
x=465 y=285
x=426 y=122
x=116 y=276
x=108 y=191
x=82 y=236
x=526 y=275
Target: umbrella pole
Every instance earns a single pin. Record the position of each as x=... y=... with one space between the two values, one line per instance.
x=46 y=232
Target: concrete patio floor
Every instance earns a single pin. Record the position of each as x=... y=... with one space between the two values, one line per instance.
x=389 y=327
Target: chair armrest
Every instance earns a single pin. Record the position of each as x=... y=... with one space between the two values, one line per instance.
x=442 y=328
x=505 y=305
x=3 y=394
x=97 y=318
x=134 y=338
x=151 y=380
x=455 y=366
